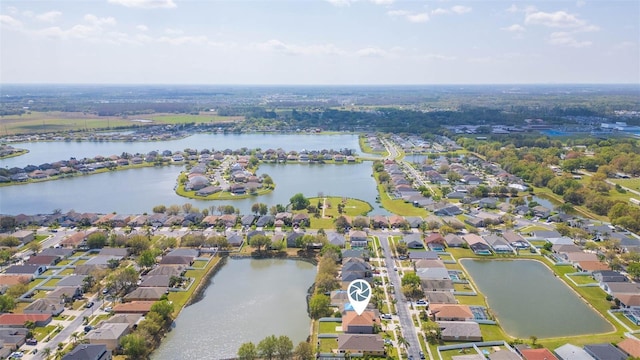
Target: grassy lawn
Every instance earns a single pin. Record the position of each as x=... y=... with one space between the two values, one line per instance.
x=326 y=345
x=352 y=208
x=80 y=262
x=532 y=228
x=633 y=184
x=329 y=327
x=52 y=282
x=199 y=264
x=41 y=332
x=64 y=262
x=67 y=272
x=179 y=298
x=49 y=272
x=582 y=279
x=471 y=300
x=97 y=319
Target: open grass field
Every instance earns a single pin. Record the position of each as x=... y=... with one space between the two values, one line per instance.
x=633 y=184
x=57 y=121
x=352 y=208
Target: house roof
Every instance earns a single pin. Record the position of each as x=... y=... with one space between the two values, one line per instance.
x=631 y=346
x=605 y=351
x=22 y=269
x=351 y=318
x=437 y=273
x=440 y=297
x=46 y=305
x=42 y=260
x=141 y=307
x=14 y=279
x=147 y=293
x=429 y=255
x=629 y=299
x=166 y=270
x=360 y=342
x=155 y=281
x=592 y=265
x=427 y=263
x=537 y=354
x=184 y=252
x=72 y=280
x=108 y=331
x=123 y=252
x=504 y=355
x=20 y=319
x=460 y=329
x=451 y=311
x=572 y=352
x=177 y=260
x=130 y=319
x=86 y=352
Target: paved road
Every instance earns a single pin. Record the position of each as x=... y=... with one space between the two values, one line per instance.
x=402 y=307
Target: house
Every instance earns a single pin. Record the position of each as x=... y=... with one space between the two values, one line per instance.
x=607 y=276
x=18 y=320
x=541 y=211
x=247 y=220
x=488 y=203
x=114 y=252
x=12 y=338
x=170 y=270
x=435 y=242
x=365 y=344
x=108 y=334
x=451 y=312
x=630 y=346
x=75 y=239
x=440 y=297
x=59 y=252
x=380 y=222
x=437 y=285
x=453 y=240
x=605 y=351
x=132 y=320
x=427 y=264
x=498 y=244
x=66 y=294
x=504 y=355
x=45 y=260
x=45 y=306
x=88 y=352
x=235 y=239
x=355 y=268
x=432 y=273
x=537 y=354
x=155 y=281
x=336 y=239
x=24 y=236
x=265 y=220
x=75 y=281
x=414 y=221
x=133 y=307
x=352 y=323
x=448 y=210
x=145 y=294
x=423 y=255
x=300 y=219
x=293 y=239
x=460 y=331
x=355 y=253
x=358 y=238
x=29 y=270
x=572 y=352
x=177 y=260
x=413 y=241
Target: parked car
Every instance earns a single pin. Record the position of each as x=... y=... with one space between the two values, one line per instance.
x=421 y=302
x=88 y=328
x=108 y=309
x=89 y=304
x=32 y=341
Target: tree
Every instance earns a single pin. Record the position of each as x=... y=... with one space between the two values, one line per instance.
x=7 y=303
x=304 y=351
x=284 y=347
x=258 y=241
x=342 y=224
x=634 y=269
x=247 y=351
x=299 y=202
x=147 y=258
x=267 y=347
x=165 y=309
x=134 y=346
x=138 y=243
x=411 y=279
x=122 y=280
x=319 y=306
x=159 y=209
x=401 y=248
x=432 y=331
x=17 y=290
x=46 y=352
x=34 y=246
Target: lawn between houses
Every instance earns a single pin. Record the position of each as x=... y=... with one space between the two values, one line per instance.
x=398 y=206
x=595 y=296
x=352 y=208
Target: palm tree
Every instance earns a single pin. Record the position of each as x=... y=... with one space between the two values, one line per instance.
x=46 y=352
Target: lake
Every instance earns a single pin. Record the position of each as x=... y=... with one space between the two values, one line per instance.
x=136 y=191
x=48 y=152
x=246 y=300
x=528 y=300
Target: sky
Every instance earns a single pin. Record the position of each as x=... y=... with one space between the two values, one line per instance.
x=319 y=42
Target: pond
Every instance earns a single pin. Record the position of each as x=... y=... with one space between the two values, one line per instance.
x=528 y=300
x=247 y=300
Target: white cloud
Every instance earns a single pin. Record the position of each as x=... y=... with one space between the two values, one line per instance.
x=182 y=40
x=344 y=3
x=439 y=11
x=409 y=16
x=142 y=28
x=512 y=9
x=12 y=10
x=9 y=22
x=275 y=45
x=371 y=52
x=146 y=4
x=49 y=16
x=459 y=9
x=580 y=3
x=516 y=28
x=560 y=19
x=97 y=21
x=170 y=31
x=566 y=39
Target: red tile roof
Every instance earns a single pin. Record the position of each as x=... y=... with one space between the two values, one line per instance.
x=537 y=354
x=20 y=319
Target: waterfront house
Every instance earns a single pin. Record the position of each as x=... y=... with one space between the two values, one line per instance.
x=108 y=334
x=437 y=285
x=630 y=346
x=537 y=354
x=426 y=264
x=426 y=255
x=435 y=242
x=145 y=294
x=572 y=352
x=365 y=344
x=432 y=273
x=460 y=331
x=453 y=240
x=440 y=297
x=88 y=352
x=134 y=307
x=355 y=268
x=605 y=351
x=336 y=239
x=352 y=323
x=450 y=312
